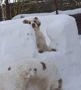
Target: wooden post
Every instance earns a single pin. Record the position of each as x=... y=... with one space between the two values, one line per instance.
x=55 y=3
x=7 y=10
x=3 y=12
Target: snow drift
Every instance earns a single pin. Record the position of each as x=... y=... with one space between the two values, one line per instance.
x=16 y=44
x=60 y=32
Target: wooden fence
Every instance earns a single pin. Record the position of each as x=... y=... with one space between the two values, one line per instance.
x=0 y=14
x=68 y=4
x=39 y=6
x=28 y=6
x=78 y=20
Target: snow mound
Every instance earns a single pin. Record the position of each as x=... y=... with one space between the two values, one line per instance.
x=64 y=37
x=60 y=32
x=63 y=34
x=17 y=41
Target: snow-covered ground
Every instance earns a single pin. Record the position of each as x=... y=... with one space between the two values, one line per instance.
x=80 y=38
x=17 y=42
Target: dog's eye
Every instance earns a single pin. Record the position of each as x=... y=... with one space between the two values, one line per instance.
x=27 y=33
x=34 y=21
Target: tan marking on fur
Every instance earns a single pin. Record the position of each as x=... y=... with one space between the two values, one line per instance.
x=60 y=84
x=9 y=68
x=35 y=69
x=44 y=65
x=27 y=22
x=36 y=18
x=53 y=49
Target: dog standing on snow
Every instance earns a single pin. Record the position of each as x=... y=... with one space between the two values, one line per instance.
x=31 y=74
x=40 y=39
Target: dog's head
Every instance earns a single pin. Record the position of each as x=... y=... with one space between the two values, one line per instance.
x=35 y=23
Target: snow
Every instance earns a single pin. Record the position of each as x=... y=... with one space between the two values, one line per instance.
x=71 y=12
x=14 y=40
x=16 y=45
x=80 y=38
x=63 y=34
x=67 y=12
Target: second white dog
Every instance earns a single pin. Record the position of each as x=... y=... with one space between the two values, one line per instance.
x=31 y=74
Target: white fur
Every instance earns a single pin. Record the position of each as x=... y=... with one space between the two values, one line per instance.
x=40 y=40
x=30 y=75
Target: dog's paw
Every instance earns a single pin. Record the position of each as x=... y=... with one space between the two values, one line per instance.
x=53 y=49
x=40 y=51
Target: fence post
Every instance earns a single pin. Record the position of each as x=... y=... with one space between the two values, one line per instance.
x=55 y=3
x=3 y=12
x=7 y=10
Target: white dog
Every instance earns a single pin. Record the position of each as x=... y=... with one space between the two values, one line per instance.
x=40 y=39
x=31 y=74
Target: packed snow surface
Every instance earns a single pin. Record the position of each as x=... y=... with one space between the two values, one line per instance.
x=17 y=42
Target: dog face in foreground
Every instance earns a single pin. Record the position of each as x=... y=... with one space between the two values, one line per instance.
x=32 y=74
x=40 y=39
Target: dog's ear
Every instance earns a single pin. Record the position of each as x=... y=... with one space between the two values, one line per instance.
x=36 y=18
x=27 y=22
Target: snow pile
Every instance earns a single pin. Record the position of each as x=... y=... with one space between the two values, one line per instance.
x=60 y=32
x=64 y=34
x=17 y=41
x=64 y=37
